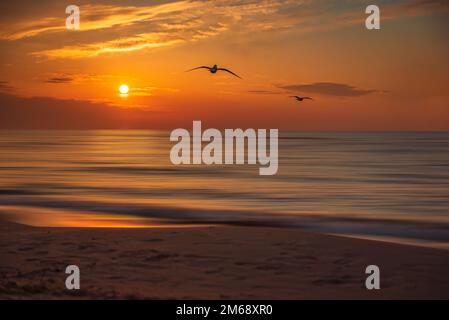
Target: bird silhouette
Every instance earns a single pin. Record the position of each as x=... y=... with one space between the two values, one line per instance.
x=301 y=98
x=214 y=69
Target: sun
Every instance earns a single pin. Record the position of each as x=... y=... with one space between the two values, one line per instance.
x=123 y=89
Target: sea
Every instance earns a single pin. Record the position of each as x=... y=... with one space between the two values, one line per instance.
x=384 y=186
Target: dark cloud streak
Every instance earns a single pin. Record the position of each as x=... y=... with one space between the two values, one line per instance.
x=42 y=113
x=264 y=92
x=59 y=80
x=328 y=88
x=4 y=86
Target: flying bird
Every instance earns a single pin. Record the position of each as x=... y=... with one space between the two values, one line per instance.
x=301 y=98
x=214 y=69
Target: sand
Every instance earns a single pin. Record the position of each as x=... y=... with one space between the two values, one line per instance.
x=212 y=263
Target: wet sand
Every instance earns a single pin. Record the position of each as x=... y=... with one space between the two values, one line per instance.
x=212 y=263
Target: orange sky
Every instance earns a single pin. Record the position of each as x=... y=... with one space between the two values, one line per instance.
x=395 y=78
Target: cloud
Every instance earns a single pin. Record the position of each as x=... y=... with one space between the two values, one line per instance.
x=329 y=89
x=51 y=113
x=149 y=91
x=62 y=79
x=264 y=92
x=4 y=86
x=31 y=28
x=396 y=10
x=143 y=27
x=177 y=22
x=138 y=42
x=423 y=7
x=95 y=17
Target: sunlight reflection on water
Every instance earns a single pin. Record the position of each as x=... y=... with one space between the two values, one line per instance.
x=392 y=184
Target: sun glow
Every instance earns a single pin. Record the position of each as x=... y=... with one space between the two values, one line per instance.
x=123 y=89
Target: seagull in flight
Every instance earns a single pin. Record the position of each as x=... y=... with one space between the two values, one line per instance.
x=301 y=98
x=214 y=69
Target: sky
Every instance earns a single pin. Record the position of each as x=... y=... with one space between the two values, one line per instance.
x=392 y=79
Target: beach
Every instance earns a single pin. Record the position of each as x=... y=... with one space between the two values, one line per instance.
x=212 y=262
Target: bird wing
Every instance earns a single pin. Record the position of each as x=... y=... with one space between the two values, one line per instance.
x=224 y=69
x=294 y=97
x=202 y=67
x=307 y=98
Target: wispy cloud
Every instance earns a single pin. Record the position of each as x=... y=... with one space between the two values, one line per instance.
x=396 y=10
x=264 y=92
x=61 y=79
x=418 y=8
x=19 y=112
x=31 y=28
x=138 y=42
x=143 y=27
x=95 y=17
x=168 y=24
x=149 y=91
x=64 y=77
x=5 y=86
